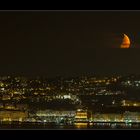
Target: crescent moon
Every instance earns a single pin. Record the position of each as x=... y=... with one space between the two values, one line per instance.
x=125 y=42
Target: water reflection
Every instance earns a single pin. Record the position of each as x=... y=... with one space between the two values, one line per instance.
x=81 y=125
x=74 y=126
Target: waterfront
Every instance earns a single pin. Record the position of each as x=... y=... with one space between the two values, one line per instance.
x=80 y=126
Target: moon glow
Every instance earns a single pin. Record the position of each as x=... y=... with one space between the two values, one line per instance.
x=125 y=42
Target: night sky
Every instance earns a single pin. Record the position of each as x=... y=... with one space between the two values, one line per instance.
x=68 y=43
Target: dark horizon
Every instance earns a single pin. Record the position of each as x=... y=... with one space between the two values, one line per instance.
x=52 y=43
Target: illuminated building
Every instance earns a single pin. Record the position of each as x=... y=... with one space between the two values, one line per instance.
x=1 y=105
x=54 y=116
x=109 y=117
x=6 y=97
x=13 y=115
x=130 y=103
x=131 y=117
x=81 y=115
x=9 y=106
x=47 y=113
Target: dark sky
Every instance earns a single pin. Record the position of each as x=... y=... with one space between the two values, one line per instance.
x=67 y=43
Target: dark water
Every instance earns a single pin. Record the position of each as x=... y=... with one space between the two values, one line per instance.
x=78 y=126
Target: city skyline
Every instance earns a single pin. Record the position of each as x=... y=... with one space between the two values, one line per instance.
x=88 y=102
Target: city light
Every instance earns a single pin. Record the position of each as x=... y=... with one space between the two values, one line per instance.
x=81 y=101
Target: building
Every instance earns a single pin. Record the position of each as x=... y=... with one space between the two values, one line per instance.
x=54 y=116
x=109 y=117
x=130 y=103
x=81 y=115
x=13 y=115
x=130 y=117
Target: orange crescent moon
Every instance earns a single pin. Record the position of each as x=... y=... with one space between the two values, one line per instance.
x=125 y=42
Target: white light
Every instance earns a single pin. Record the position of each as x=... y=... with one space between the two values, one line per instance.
x=2 y=89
